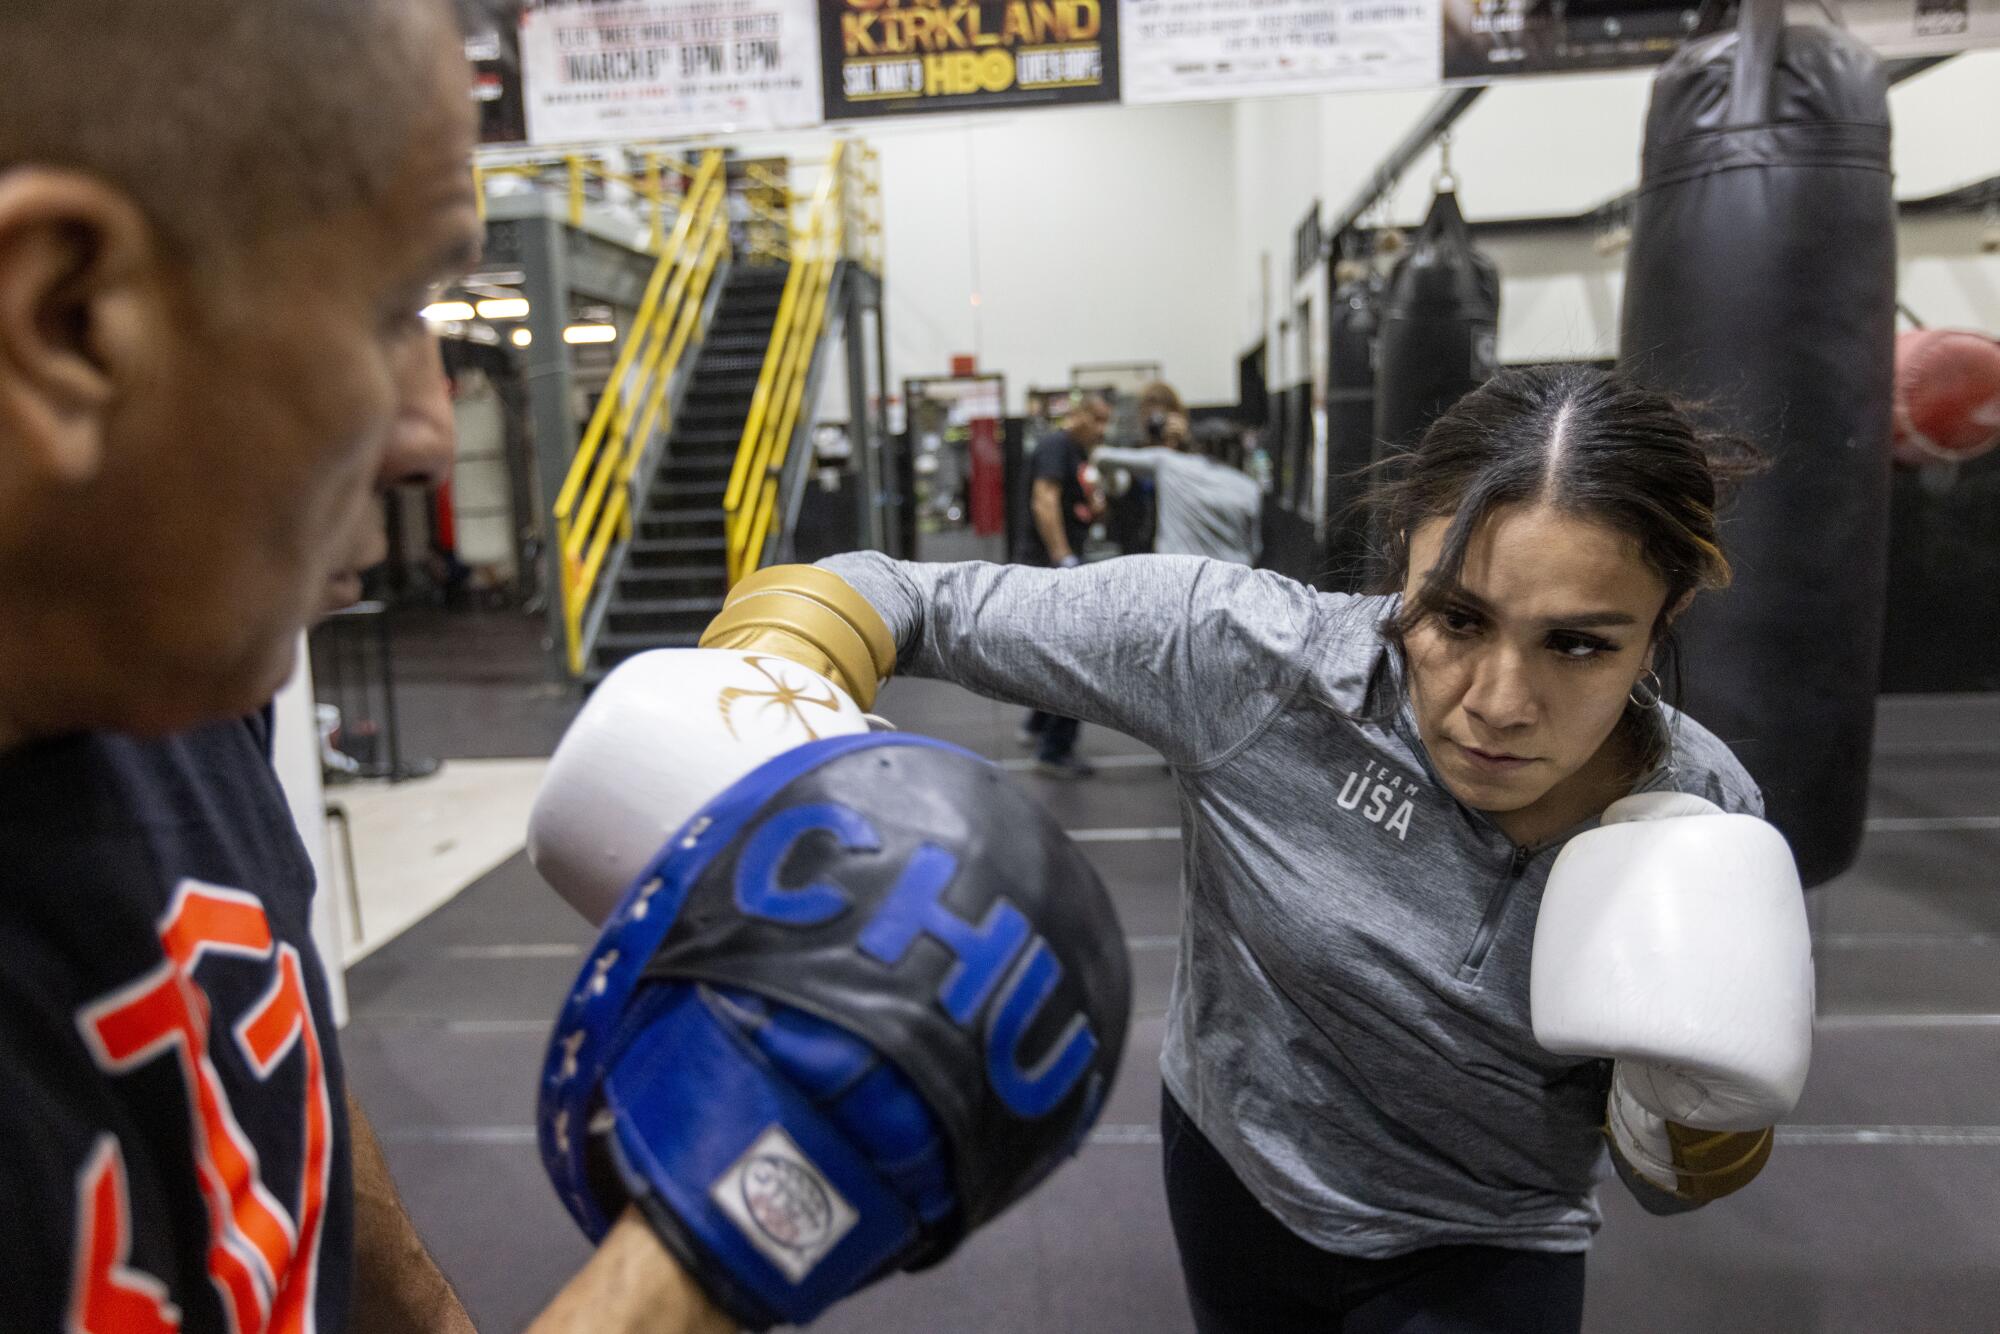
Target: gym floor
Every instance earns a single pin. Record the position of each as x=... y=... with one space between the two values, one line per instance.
x=1876 y=1214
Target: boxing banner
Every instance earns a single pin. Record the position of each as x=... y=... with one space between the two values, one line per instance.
x=1492 y=39
x=1188 y=50
x=911 y=57
x=595 y=70
x=1923 y=27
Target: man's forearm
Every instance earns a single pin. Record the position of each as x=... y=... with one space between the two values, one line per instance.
x=397 y=1286
x=1048 y=522
x=632 y=1286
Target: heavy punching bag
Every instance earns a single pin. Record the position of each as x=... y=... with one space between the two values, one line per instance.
x=1761 y=285
x=1350 y=426
x=1439 y=326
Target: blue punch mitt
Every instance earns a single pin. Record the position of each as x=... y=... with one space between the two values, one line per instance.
x=866 y=999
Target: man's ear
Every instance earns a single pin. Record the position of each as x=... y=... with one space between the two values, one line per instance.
x=76 y=271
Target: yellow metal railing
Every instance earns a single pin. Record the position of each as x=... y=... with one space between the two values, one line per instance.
x=594 y=512
x=657 y=184
x=770 y=204
x=842 y=222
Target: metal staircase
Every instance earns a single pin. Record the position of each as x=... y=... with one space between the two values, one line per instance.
x=691 y=472
x=676 y=570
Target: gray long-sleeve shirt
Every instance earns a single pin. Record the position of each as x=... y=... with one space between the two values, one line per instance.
x=1206 y=508
x=1349 y=1016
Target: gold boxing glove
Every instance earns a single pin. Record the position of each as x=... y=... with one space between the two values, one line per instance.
x=811 y=617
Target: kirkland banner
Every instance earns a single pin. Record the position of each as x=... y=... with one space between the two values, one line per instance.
x=911 y=57
x=625 y=70
x=1188 y=50
x=1492 y=39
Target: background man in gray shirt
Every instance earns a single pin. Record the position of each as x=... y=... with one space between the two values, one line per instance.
x=1208 y=505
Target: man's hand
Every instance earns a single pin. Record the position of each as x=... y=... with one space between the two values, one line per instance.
x=632 y=1286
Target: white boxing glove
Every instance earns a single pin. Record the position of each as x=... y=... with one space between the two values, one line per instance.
x=663 y=734
x=1673 y=939
x=796 y=655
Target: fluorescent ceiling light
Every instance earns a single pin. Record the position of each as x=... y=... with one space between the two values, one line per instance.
x=524 y=337
x=505 y=308
x=447 y=312
x=590 y=333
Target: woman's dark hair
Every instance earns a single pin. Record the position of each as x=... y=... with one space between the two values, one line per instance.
x=1588 y=442
x=1219 y=440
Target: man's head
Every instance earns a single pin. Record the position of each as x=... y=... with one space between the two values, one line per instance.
x=218 y=221
x=1162 y=416
x=1088 y=419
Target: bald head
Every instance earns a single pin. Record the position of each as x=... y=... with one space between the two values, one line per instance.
x=220 y=118
x=219 y=221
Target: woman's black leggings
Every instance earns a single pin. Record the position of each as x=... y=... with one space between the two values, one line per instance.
x=1247 y=1273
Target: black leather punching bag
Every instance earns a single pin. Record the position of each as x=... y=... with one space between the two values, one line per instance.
x=1350 y=427
x=1761 y=283
x=1440 y=322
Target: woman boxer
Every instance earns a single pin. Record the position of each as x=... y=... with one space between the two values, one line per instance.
x=1360 y=1129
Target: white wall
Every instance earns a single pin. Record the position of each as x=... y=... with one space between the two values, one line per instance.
x=1565 y=145
x=1165 y=233
x=1046 y=240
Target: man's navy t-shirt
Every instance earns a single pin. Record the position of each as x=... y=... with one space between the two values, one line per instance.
x=1059 y=459
x=173 y=1129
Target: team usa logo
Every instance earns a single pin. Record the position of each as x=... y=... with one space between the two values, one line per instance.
x=263 y=1256
x=1382 y=797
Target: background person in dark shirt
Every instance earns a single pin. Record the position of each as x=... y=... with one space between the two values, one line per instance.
x=1062 y=505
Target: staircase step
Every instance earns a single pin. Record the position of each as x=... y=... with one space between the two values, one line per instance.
x=756 y=277
x=715 y=407
x=668 y=606
x=695 y=475
x=684 y=515
x=715 y=389
x=655 y=555
x=732 y=343
x=638 y=620
x=699 y=477
x=690 y=441
x=688 y=581
x=720 y=381
x=683 y=494
x=731 y=362
x=668 y=530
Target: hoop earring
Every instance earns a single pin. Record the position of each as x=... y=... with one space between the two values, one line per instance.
x=1644 y=696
